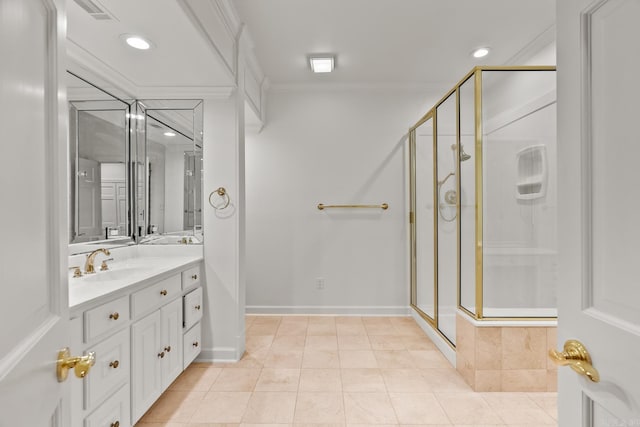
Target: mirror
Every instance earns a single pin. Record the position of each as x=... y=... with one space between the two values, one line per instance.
x=169 y=171
x=99 y=155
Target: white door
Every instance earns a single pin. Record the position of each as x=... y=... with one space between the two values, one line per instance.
x=599 y=205
x=33 y=218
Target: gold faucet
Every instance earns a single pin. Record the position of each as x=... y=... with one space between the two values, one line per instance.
x=88 y=266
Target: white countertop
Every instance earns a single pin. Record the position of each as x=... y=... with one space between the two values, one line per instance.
x=131 y=266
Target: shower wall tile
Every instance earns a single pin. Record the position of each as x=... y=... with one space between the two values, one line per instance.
x=488 y=380
x=524 y=348
x=505 y=358
x=488 y=348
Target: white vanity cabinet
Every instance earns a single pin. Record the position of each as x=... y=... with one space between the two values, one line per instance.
x=156 y=355
x=142 y=344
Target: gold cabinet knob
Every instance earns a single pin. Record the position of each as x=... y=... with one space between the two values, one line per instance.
x=194 y=277
x=115 y=424
x=167 y=349
x=114 y=364
x=577 y=357
x=197 y=307
x=196 y=343
x=163 y=292
x=114 y=316
x=81 y=365
x=161 y=355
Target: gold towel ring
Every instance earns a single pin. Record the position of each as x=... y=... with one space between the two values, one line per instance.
x=222 y=193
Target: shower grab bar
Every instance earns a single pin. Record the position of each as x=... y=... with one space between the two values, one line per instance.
x=383 y=206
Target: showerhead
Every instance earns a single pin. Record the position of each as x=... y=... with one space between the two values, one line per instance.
x=463 y=156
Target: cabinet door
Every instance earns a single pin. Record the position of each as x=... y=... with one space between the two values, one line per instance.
x=146 y=384
x=171 y=315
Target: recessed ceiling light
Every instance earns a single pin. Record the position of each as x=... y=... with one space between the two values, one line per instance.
x=322 y=63
x=480 y=52
x=136 y=42
x=169 y=134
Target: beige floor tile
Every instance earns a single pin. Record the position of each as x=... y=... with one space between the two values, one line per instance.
x=321 y=329
x=236 y=379
x=445 y=380
x=250 y=360
x=468 y=408
x=394 y=359
x=321 y=342
x=405 y=381
x=376 y=320
x=292 y=328
x=353 y=342
x=354 y=320
x=213 y=425
x=273 y=379
x=517 y=408
x=162 y=424
x=380 y=328
x=387 y=342
x=284 y=359
x=368 y=408
x=429 y=359
x=320 y=359
x=174 y=406
x=289 y=342
x=413 y=342
x=317 y=407
x=409 y=330
x=255 y=342
x=270 y=407
x=350 y=329
x=196 y=378
x=373 y=425
x=320 y=380
x=357 y=359
x=267 y=320
x=264 y=425
x=262 y=329
x=221 y=407
x=362 y=380
x=547 y=401
x=418 y=408
x=319 y=425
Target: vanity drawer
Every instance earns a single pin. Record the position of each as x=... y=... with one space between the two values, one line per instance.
x=191 y=277
x=114 y=412
x=155 y=296
x=111 y=370
x=192 y=344
x=107 y=317
x=192 y=308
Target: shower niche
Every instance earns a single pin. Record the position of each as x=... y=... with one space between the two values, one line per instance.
x=483 y=215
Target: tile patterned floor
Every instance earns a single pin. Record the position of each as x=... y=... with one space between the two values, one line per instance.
x=339 y=371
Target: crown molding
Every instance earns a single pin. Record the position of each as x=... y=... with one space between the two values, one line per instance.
x=206 y=23
x=542 y=40
x=89 y=66
x=427 y=88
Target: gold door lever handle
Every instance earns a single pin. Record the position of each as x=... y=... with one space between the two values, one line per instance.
x=81 y=365
x=577 y=357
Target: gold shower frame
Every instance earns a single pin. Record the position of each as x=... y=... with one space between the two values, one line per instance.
x=432 y=114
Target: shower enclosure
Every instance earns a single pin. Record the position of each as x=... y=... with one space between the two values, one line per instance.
x=483 y=200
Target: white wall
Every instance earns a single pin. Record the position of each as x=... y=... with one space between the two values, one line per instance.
x=331 y=147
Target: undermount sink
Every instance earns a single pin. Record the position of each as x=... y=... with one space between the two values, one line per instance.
x=103 y=276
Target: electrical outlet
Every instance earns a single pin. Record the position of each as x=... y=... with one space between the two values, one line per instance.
x=320 y=283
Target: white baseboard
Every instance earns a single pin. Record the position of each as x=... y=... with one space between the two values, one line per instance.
x=390 y=310
x=440 y=342
x=219 y=354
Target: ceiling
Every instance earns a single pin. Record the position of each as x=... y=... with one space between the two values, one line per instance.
x=421 y=42
x=180 y=57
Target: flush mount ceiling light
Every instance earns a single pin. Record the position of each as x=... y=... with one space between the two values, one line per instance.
x=169 y=134
x=480 y=52
x=322 y=63
x=136 y=42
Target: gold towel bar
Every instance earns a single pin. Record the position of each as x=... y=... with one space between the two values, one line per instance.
x=383 y=206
